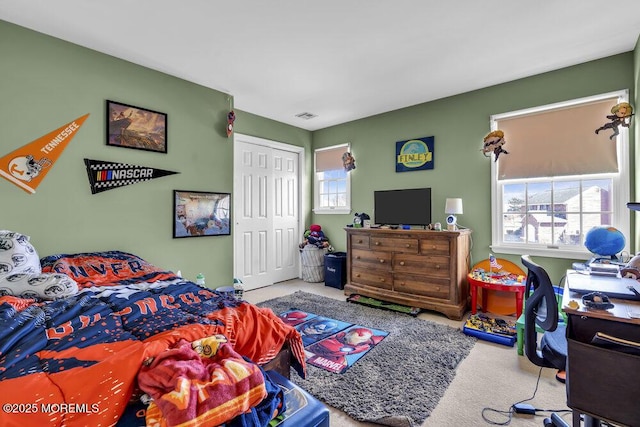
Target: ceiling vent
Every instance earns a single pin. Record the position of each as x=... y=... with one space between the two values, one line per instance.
x=306 y=116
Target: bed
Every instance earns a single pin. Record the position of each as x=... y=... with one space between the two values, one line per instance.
x=131 y=331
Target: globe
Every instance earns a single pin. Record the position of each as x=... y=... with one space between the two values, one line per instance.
x=604 y=241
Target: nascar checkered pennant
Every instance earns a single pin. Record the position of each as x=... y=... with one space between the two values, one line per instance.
x=105 y=176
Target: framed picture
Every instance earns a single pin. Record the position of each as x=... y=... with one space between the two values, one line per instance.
x=414 y=154
x=200 y=213
x=135 y=127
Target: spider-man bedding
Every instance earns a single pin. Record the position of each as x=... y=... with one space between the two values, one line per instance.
x=132 y=329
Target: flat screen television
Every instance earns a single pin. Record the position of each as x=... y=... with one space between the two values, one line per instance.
x=402 y=207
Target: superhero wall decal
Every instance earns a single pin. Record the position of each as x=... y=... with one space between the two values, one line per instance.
x=620 y=116
x=493 y=143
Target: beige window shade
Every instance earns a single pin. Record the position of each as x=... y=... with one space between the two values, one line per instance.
x=558 y=142
x=330 y=159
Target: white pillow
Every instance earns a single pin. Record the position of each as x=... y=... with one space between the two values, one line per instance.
x=17 y=255
x=47 y=286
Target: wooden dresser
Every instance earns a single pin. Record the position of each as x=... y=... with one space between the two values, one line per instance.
x=417 y=268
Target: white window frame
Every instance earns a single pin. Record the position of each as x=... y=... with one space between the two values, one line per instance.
x=316 y=187
x=620 y=193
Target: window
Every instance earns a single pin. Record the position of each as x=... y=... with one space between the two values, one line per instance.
x=559 y=178
x=332 y=185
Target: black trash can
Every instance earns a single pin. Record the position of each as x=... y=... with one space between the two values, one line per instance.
x=335 y=269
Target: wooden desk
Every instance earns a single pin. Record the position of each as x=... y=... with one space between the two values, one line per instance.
x=602 y=383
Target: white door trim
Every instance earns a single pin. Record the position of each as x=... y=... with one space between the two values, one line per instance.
x=238 y=137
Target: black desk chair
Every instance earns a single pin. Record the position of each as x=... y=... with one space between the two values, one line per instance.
x=541 y=309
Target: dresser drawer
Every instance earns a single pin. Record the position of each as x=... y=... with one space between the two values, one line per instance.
x=435 y=246
x=359 y=241
x=391 y=244
x=372 y=277
x=371 y=259
x=432 y=266
x=416 y=285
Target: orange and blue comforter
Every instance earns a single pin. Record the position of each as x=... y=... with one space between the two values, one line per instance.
x=76 y=361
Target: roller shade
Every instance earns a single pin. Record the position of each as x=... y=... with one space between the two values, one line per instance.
x=558 y=142
x=330 y=158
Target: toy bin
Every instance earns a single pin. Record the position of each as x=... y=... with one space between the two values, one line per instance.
x=312 y=262
x=335 y=269
x=303 y=410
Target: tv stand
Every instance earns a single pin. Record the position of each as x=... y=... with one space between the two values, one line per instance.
x=419 y=268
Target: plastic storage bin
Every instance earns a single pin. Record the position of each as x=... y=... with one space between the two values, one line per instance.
x=335 y=269
x=303 y=410
x=312 y=261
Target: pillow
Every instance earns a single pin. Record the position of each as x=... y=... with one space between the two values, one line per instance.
x=21 y=274
x=44 y=285
x=17 y=255
x=104 y=268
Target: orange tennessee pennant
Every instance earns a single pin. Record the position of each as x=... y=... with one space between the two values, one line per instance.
x=26 y=166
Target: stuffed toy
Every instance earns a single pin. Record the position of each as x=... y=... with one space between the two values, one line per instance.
x=493 y=142
x=21 y=274
x=632 y=269
x=620 y=116
x=315 y=236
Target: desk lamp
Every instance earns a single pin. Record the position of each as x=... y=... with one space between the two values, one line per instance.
x=453 y=207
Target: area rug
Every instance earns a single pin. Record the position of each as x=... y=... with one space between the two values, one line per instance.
x=332 y=344
x=401 y=380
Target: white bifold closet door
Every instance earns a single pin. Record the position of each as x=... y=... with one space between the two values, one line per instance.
x=266 y=211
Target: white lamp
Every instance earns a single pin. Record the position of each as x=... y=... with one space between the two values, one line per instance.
x=453 y=207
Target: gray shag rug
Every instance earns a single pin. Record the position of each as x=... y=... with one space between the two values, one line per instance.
x=397 y=383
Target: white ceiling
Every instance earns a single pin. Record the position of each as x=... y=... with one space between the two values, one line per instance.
x=339 y=59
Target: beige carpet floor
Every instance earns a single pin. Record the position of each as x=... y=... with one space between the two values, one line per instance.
x=492 y=376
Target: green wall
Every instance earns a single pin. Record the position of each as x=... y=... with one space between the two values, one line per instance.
x=459 y=123
x=46 y=83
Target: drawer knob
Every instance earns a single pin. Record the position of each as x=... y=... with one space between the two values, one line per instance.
x=382 y=280
x=357 y=274
x=360 y=241
x=381 y=261
x=433 y=247
x=377 y=243
x=408 y=245
x=437 y=267
x=438 y=288
x=357 y=256
x=401 y=262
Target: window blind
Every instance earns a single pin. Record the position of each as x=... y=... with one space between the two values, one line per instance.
x=558 y=142
x=330 y=158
